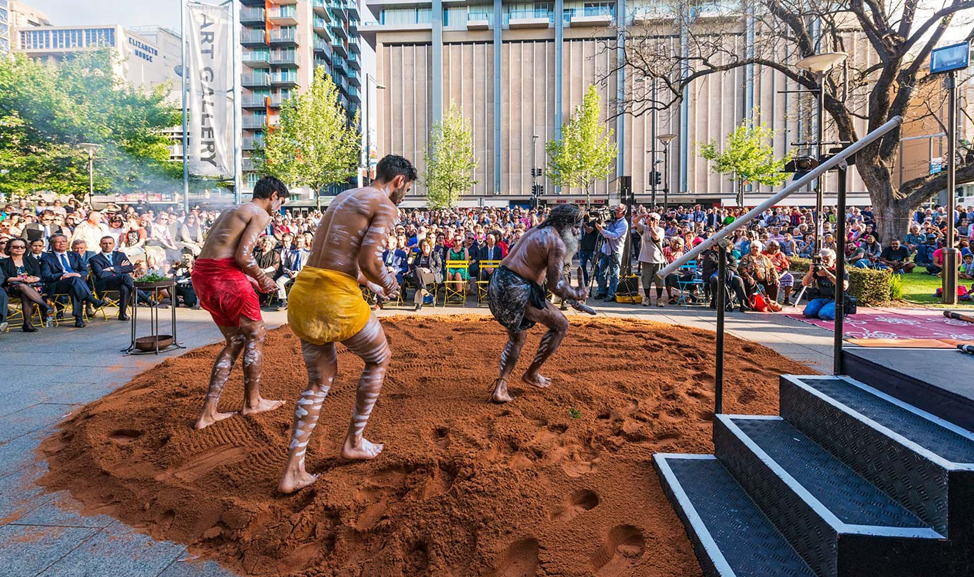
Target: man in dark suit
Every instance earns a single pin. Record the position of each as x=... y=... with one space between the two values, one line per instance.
x=111 y=269
x=489 y=251
x=43 y=230
x=64 y=273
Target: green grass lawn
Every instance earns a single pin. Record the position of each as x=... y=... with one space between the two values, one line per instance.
x=919 y=288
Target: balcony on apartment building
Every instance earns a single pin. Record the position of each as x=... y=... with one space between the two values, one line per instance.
x=256 y=80
x=339 y=48
x=254 y=122
x=322 y=48
x=353 y=43
x=253 y=101
x=339 y=28
x=478 y=20
x=285 y=58
x=320 y=7
x=354 y=61
x=277 y=100
x=285 y=79
x=285 y=37
x=536 y=18
x=655 y=13
x=253 y=37
x=338 y=63
x=253 y=3
x=352 y=7
x=353 y=79
x=353 y=93
x=590 y=16
x=250 y=141
x=256 y=58
x=320 y=24
x=250 y=16
x=247 y=164
x=283 y=15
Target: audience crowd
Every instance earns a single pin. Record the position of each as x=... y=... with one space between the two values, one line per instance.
x=62 y=258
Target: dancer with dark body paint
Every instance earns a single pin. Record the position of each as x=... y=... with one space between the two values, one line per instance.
x=224 y=279
x=516 y=294
x=326 y=306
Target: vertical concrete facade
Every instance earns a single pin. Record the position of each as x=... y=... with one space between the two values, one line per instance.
x=517 y=75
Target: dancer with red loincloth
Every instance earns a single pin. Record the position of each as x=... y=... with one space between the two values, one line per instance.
x=224 y=278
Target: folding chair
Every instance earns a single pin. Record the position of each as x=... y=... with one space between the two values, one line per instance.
x=15 y=313
x=687 y=286
x=485 y=266
x=452 y=288
x=106 y=296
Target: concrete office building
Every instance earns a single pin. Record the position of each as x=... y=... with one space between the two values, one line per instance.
x=283 y=41
x=519 y=70
x=4 y=28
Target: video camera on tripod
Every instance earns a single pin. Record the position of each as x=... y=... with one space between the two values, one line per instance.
x=600 y=215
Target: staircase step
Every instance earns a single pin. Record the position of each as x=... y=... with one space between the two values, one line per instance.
x=838 y=521
x=921 y=460
x=730 y=534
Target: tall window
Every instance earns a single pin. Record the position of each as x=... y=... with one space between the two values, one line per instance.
x=100 y=37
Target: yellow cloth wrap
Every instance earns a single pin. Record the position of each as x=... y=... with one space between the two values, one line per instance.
x=326 y=306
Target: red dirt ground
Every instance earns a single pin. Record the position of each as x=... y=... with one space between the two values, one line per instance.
x=559 y=482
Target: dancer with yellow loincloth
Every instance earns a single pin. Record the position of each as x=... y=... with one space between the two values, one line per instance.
x=325 y=306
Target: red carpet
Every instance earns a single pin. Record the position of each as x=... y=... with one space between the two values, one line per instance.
x=916 y=325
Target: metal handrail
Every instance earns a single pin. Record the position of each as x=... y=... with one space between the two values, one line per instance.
x=833 y=162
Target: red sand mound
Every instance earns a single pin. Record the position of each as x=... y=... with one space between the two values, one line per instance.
x=559 y=482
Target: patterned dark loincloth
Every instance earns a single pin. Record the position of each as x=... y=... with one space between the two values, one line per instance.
x=509 y=294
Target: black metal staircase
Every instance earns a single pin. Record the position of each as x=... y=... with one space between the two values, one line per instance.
x=848 y=481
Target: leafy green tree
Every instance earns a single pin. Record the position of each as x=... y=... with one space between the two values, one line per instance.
x=450 y=160
x=48 y=109
x=748 y=156
x=586 y=150
x=314 y=145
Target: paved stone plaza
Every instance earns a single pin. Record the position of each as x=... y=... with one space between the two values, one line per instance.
x=50 y=373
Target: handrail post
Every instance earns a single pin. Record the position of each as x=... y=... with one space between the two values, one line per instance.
x=721 y=305
x=839 y=272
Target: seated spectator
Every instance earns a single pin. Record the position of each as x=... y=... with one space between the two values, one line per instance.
x=964 y=228
x=182 y=273
x=292 y=261
x=914 y=238
x=117 y=228
x=64 y=273
x=807 y=247
x=821 y=280
x=732 y=280
x=191 y=235
x=267 y=257
x=37 y=249
x=21 y=276
x=490 y=251
x=895 y=257
x=395 y=259
x=781 y=264
x=80 y=247
x=872 y=250
x=426 y=270
x=458 y=253
x=42 y=230
x=758 y=272
x=112 y=270
x=673 y=280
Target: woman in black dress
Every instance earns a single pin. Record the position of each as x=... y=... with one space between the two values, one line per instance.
x=22 y=276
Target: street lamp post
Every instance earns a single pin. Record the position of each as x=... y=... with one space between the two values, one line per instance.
x=818 y=66
x=367 y=122
x=90 y=148
x=665 y=139
x=535 y=173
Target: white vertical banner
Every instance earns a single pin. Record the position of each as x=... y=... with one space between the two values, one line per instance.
x=210 y=99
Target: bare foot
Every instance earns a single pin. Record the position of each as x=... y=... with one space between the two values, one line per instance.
x=295 y=481
x=500 y=394
x=365 y=450
x=537 y=381
x=262 y=406
x=207 y=419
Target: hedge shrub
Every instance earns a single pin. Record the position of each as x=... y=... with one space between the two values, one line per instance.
x=872 y=288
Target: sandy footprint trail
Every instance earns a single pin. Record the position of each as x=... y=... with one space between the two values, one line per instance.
x=559 y=482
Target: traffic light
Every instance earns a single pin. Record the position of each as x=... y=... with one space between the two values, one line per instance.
x=537 y=189
x=655 y=177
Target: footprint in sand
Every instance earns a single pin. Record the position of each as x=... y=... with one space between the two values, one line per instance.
x=576 y=504
x=620 y=550
x=375 y=495
x=198 y=466
x=441 y=437
x=520 y=559
x=125 y=436
x=582 y=461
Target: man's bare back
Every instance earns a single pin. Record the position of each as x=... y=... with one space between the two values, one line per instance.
x=537 y=255
x=352 y=234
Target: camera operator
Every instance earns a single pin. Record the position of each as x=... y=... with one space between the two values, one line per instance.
x=651 y=257
x=821 y=278
x=586 y=246
x=610 y=261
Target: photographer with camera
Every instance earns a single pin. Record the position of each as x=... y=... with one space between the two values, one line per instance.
x=651 y=257
x=821 y=278
x=586 y=246
x=610 y=261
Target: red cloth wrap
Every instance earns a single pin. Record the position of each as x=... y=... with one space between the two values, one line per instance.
x=224 y=291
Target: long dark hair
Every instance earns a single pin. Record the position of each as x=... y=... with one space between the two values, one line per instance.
x=561 y=216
